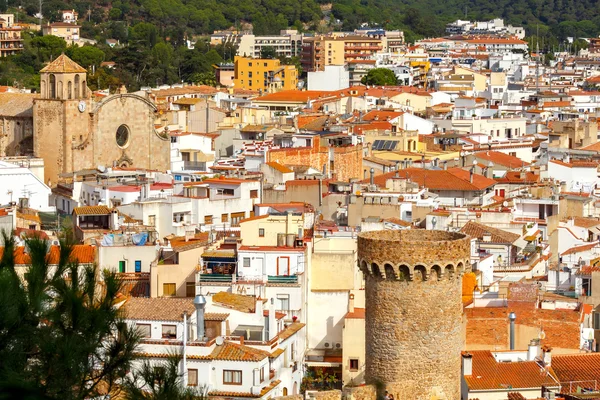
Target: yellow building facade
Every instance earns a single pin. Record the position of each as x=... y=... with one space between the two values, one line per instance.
x=267 y=75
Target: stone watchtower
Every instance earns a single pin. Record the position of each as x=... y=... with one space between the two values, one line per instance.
x=414 y=332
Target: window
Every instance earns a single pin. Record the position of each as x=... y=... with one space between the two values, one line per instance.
x=152 y=220
x=121 y=266
x=208 y=219
x=596 y=320
x=262 y=374
x=353 y=364
x=143 y=330
x=261 y=232
x=246 y=262
x=169 y=332
x=284 y=302
x=236 y=218
x=250 y=74
x=192 y=377
x=138 y=265
x=587 y=286
x=122 y=136
x=254 y=194
x=225 y=192
x=232 y=377
x=190 y=289
x=168 y=289
x=265 y=64
x=249 y=64
x=224 y=218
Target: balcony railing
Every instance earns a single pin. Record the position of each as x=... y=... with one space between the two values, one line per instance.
x=194 y=165
x=291 y=279
x=214 y=278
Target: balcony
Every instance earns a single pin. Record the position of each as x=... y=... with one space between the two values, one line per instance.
x=375 y=48
x=194 y=165
x=214 y=278
x=287 y=279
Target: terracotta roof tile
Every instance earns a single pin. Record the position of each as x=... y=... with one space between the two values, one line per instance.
x=586 y=222
x=500 y=158
x=17 y=104
x=515 y=177
x=451 y=179
x=91 y=210
x=81 y=253
x=359 y=313
x=379 y=115
x=579 y=368
x=230 y=351
x=579 y=249
x=63 y=64
x=235 y=301
x=489 y=374
x=576 y=164
x=158 y=308
x=290 y=330
x=281 y=168
x=477 y=230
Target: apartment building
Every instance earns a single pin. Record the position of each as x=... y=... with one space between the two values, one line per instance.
x=287 y=44
x=321 y=51
x=10 y=36
x=264 y=75
x=68 y=31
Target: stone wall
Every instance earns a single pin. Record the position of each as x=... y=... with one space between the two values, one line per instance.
x=329 y=395
x=414 y=331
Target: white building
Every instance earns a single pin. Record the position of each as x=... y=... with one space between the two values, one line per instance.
x=21 y=183
x=333 y=77
x=191 y=151
x=268 y=366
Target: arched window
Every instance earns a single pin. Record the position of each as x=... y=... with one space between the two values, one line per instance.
x=59 y=92
x=70 y=90
x=83 y=89
x=76 y=86
x=52 y=87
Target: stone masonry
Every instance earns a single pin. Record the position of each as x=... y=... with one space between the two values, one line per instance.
x=414 y=332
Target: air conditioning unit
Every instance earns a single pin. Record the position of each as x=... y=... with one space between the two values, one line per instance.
x=337 y=345
x=327 y=345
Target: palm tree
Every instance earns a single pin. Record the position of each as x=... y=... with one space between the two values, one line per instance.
x=161 y=381
x=61 y=336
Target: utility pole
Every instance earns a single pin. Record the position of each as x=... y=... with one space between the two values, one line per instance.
x=41 y=15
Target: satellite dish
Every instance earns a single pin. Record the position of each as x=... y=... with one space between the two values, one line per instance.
x=219 y=340
x=294 y=139
x=505 y=203
x=433 y=221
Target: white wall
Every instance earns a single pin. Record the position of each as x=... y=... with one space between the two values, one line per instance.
x=109 y=257
x=325 y=316
x=334 y=77
x=23 y=183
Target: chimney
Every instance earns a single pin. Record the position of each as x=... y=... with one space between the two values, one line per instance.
x=199 y=303
x=489 y=172
x=467 y=364
x=423 y=161
x=445 y=165
x=522 y=174
x=272 y=320
x=372 y=179
x=547 y=355
x=533 y=350
x=351 y=303
x=241 y=340
x=512 y=317
x=471 y=174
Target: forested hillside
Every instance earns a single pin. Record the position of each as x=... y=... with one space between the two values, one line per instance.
x=152 y=33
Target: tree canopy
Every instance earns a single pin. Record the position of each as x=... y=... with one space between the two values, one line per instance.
x=60 y=335
x=380 y=77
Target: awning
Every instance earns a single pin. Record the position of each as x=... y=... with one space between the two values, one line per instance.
x=322 y=364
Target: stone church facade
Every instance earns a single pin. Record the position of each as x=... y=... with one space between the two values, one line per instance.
x=71 y=131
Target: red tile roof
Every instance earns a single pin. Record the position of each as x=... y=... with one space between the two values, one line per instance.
x=230 y=351
x=359 y=313
x=158 y=308
x=377 y=115
x=478 y=231
x=281 y=168
x=515 y=177
x=576 y=164
x=579 y=249
x=488 y=374
x=503 y=159
x=81 y=253
x=451 y=179
x=581 y=369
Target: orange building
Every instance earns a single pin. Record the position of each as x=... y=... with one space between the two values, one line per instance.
x=267 y=75
x=10 y=36
x=321 y=51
